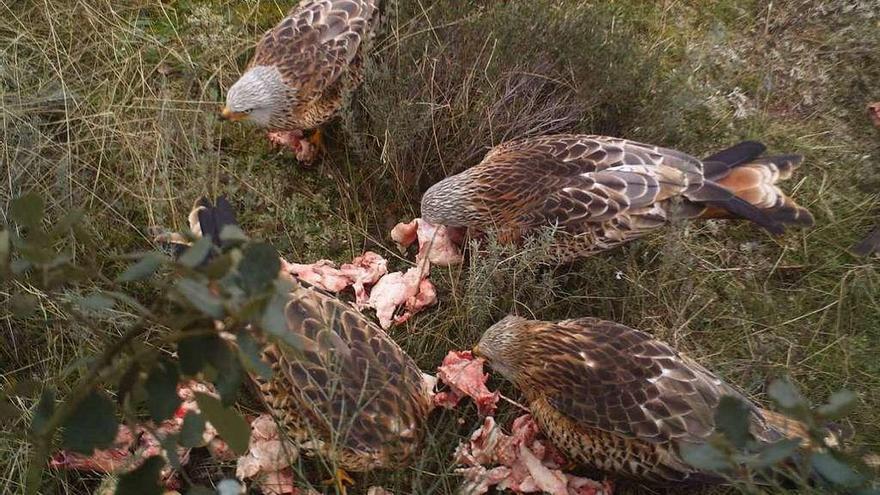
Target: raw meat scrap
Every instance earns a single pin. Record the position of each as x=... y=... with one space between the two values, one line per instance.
x=294 y=141
x=463 y=373
x=366 y=269
x=436 y=242
x=411 y=290
x=268 y=458
x=526 y=463
x=874 y=113
x=323 y=274
x=132 y=447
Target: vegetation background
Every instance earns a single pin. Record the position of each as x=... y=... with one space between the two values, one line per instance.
x=111 y=105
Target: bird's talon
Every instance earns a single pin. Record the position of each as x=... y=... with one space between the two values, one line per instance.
x=340 y=479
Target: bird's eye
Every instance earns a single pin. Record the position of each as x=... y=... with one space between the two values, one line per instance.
x=249 y=110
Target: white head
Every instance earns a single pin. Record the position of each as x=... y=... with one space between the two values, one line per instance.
x=258 y=96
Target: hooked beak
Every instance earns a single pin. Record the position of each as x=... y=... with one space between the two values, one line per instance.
x=227 y=114
x=476 y=350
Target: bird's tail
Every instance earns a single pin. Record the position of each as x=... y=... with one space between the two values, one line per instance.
x=747 y=184
x=208 y=219
x=205 y=220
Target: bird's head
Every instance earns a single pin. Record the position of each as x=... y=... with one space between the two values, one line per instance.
x=259 y=96
x=447 y=202
x=500 y=346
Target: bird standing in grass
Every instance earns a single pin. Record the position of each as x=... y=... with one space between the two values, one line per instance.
x=600 y=192
x=614 y=399
x=303 y=70
x=341 y=387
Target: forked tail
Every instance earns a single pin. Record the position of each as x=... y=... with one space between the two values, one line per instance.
x=750 y=183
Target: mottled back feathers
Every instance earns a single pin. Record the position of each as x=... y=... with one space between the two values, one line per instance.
x=349 y=384
x=608 y=190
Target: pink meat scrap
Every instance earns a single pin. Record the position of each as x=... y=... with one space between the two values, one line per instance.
x=440 y=244
x=412 y=290
x=131 y=448
x=463 y=373
x=522 y=462
x=269 y=459
x=364 y=270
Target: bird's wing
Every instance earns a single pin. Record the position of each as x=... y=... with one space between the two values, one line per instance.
x=608 y=376
x=349 y=376
x=316 y=42
x=585 y=179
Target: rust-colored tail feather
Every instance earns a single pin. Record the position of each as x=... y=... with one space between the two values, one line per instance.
x=753 y=180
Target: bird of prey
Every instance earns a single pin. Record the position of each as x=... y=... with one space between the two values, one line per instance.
x=345 y=391
x=303 y=70
x=600 y=192
x=614 y=399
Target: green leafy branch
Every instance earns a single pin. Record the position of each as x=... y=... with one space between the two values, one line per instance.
x=816 y=462
x=211 y=298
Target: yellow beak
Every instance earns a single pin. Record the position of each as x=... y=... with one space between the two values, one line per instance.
x=227 y=114
x=476 y=350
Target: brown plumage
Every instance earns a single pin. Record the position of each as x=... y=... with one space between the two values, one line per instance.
x=340 y=386
x=601 y=191
x=348 y=388
x=304 y=67
x=615 y=399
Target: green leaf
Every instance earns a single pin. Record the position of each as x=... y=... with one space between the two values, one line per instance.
x=835 y=471
x=192 y=355
x=786 y=395
x=20 y=265
x=28 y=210
x=23 y=304
x=45 y=409
x=249 y=352
x=92 y=425
x=38 y=254
x=705 y=456
x=144 y=480
x=62 y=226
x=161 y=387
x=774 y=453
x=196 y=253
x=200 y=490
x=229 y=424
x=274 y=322
x=192 y=429
x=232 y=234
x=200 y=297
x=127 y=382
x=732 y=420
x=5 y=248
x=143 y=268
x=229 y=372
x=839 y=405
x=169 y=443
x=258 y=267
x=229 y=487
x=96 y=302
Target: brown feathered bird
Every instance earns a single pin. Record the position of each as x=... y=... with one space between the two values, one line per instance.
x=601 y=191
x=305 y=66
x=341 y=387
x=615 y=399
x=347 y=390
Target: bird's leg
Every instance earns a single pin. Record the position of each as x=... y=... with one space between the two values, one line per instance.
x=340 y=479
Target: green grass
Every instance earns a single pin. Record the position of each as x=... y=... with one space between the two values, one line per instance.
x=111 y=105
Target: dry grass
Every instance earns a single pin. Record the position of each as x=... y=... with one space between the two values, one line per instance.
x=111 y=105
